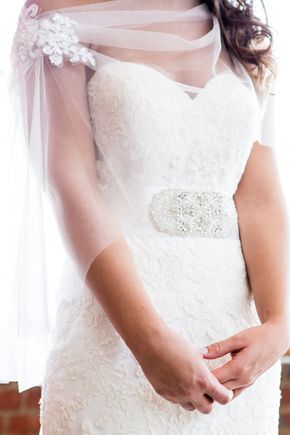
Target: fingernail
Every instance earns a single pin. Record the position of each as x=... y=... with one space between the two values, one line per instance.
x=204 y=350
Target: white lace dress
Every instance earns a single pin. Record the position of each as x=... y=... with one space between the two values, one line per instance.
x=93 y=384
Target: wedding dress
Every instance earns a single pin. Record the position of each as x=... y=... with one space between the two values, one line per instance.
x=93 y=384
x=181 y=157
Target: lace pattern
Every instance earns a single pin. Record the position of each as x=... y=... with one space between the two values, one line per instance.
x=54 y=37
x=201 y=143
x=94 y=386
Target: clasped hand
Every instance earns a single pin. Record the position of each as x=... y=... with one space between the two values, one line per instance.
x=177 y=370
x=253 y=351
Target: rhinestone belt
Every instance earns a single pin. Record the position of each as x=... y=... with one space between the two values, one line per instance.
x=182 y=212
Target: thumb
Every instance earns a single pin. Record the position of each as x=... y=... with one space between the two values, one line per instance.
x=219 y=348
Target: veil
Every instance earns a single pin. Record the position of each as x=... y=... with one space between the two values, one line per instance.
x=57 y=161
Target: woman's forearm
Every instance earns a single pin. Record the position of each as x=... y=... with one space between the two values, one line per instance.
x=113 y=279
x=112 y=276
x=264 y=237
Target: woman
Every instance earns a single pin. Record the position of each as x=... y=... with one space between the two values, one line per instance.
x=144 y=126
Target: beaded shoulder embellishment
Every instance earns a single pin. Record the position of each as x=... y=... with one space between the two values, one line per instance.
x=53 y=36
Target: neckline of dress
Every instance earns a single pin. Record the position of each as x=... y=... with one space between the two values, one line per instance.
x=182 y=87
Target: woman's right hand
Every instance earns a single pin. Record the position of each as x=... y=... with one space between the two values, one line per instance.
x=178 y=373
x=173 y=366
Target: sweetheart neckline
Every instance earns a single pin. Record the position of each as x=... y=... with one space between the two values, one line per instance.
x=176 y=84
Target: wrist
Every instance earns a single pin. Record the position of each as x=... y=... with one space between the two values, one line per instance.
x=147 y=337
x=281 y=322
x=281 y=327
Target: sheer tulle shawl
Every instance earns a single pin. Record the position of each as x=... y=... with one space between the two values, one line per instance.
x=55 y=154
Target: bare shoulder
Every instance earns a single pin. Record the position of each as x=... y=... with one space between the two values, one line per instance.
x=47 y=5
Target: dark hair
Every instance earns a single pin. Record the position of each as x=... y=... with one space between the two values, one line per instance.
x=246 y=37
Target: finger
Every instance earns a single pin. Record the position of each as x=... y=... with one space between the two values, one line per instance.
x=188 y=406
x=203 y=404
x=170 y=396
x=218 y=392
x=238 y=391
x=234 y=384
x=236 y=370
x=221 y=348
x=209 y=398
x=226 y=372
x=237 y=387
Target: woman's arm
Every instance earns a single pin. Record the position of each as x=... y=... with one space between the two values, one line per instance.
x=82 y=213
x=113 y=278
x=264 y=235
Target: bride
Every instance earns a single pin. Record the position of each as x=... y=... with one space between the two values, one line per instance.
x=148 y=126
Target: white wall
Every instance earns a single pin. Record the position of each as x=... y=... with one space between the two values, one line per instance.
x=279 y=15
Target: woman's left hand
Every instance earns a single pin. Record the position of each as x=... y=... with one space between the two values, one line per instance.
x=253 y=351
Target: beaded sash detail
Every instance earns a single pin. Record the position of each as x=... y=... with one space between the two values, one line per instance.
x=182 y=212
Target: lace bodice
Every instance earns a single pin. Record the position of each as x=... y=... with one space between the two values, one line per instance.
x=202 y=143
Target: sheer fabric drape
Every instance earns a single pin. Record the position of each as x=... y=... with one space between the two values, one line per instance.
x=54 y=55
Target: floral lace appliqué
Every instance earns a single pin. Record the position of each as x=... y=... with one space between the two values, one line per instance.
x=95 y=386
x=53 y=36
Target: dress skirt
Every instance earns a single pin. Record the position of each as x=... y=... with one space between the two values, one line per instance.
x=93 y=385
